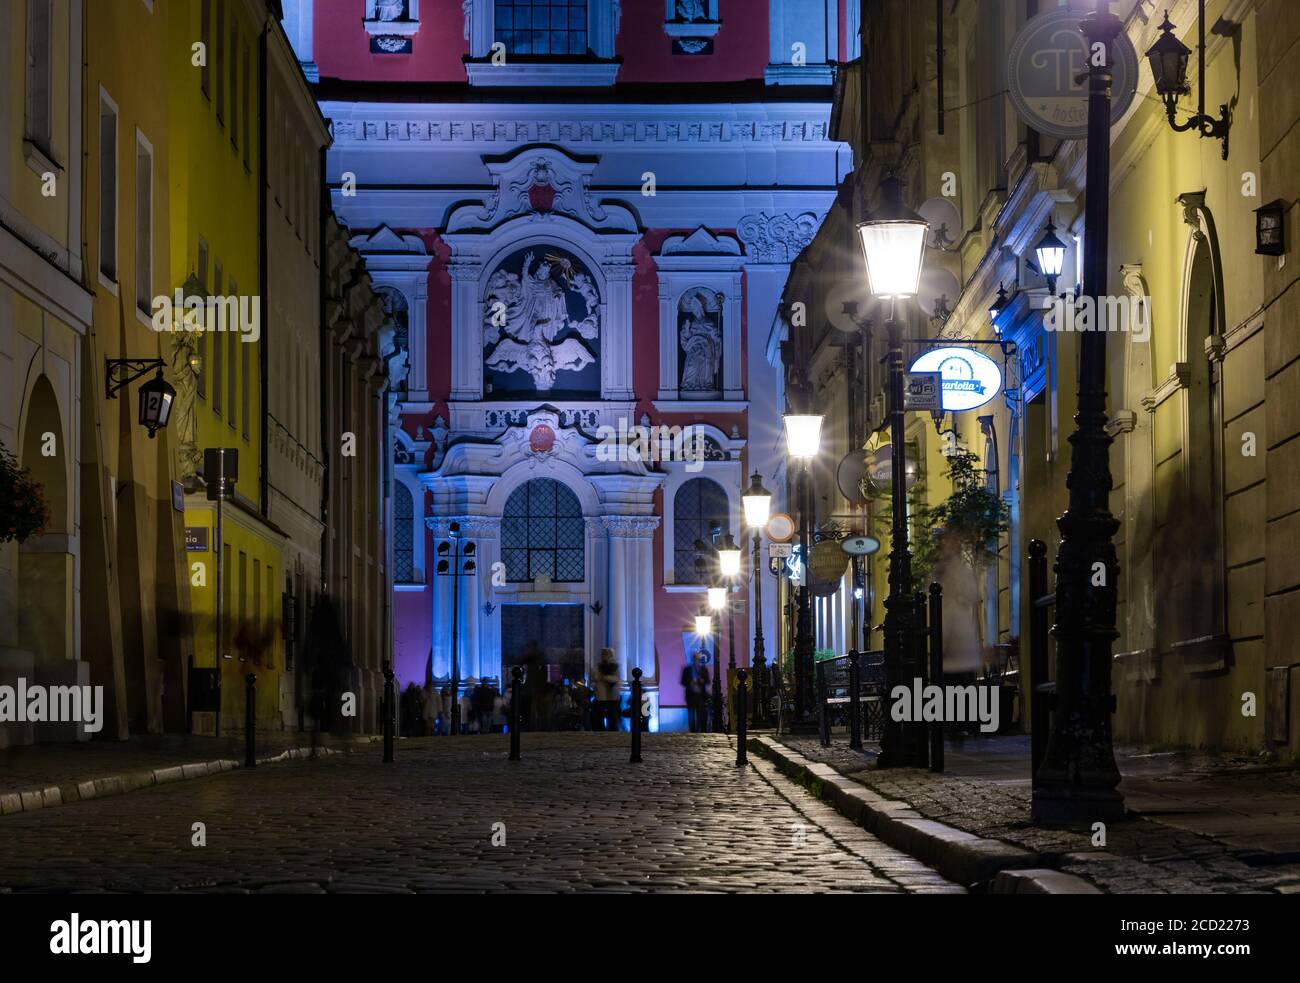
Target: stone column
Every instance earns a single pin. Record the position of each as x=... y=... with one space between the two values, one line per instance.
x=466 y=332
x=616 y=338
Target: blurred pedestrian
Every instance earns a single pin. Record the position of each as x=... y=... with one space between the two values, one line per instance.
x=695 y=684
x=607 y=692
x=432 y=708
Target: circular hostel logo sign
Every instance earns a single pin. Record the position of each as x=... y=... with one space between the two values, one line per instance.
x=969 y=378
x=1047 y=74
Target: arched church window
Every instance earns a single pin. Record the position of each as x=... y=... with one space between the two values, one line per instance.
x=698 y=505
x=699 y=335
x=403 y=534
x=542 y=27
x=542 y=533
x=541 y=326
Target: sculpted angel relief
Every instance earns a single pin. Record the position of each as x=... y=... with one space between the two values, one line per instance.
x=527 y=321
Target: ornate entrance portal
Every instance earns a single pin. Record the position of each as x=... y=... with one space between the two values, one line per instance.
x=552 y=633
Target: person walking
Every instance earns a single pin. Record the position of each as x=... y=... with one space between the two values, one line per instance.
x=432 y=712
x=695 y=684
x=607 y=692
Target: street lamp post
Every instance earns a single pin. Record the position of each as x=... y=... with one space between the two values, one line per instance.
x=451 y=553
x=1078 y=776
x=717 y=602
x=893 y=243
x=803 y=440
x=757 y=502
x=729 y=566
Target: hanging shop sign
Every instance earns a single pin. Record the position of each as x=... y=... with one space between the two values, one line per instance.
x=970 y=378
x=1047 y=74
x=922 y=391
x=860 y=545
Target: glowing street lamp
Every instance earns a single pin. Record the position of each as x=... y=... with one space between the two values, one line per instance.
x=757 y=502
x=893 y=242
x=1051 y=256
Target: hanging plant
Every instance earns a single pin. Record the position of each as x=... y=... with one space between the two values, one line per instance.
x=23 y=510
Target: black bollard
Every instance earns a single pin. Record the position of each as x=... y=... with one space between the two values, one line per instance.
x=1040 y=719
x=936 y=671
x=388 y=710
x=636 y=717
x=742 y=721
x=855 y=703
x=516 y=676
x=250 y=720
x=824 y=717
x=923 y=728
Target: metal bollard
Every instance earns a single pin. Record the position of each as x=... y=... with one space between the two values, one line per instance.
x=922 y=664
x=742 y=719
x=936 y=671
x=824 y=718
x=388 y=710
x=636 y=717
x=250 y=720
x=855 y=703
x=516 y=677
x=1039 y=701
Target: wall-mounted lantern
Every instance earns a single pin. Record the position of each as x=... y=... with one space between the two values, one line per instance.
x=1168 y=59
x=156 y=396
x=1270 y=228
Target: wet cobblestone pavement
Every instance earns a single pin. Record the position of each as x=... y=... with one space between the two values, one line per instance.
x=576 y=817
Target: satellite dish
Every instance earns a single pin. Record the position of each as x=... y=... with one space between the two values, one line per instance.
x=849 y=292
x=938 y=293
x=945 y=223
x=849 y=477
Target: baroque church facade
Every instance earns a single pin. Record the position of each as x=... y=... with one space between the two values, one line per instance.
x=581 y=215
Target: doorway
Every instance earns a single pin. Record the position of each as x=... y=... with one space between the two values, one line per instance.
x=555 y=632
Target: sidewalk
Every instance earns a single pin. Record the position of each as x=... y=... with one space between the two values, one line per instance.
x=43 y=775
x=1198 y=823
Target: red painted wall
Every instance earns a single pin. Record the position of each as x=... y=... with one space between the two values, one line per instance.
x=739 y=47
x=341 y=46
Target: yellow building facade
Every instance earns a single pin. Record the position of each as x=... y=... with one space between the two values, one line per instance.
x=217 y=240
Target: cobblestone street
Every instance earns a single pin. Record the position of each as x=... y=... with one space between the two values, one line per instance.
x=577 y=817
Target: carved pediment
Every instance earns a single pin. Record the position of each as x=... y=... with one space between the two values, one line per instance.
x=540 y=181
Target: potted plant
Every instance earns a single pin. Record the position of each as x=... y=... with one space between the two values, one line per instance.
x=23 y=509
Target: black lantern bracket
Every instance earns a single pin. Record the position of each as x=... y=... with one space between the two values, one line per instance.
x=1168 y=58
x=121 y=372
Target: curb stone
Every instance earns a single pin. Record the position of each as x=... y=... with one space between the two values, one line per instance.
x=99 y=788
x=959 y=856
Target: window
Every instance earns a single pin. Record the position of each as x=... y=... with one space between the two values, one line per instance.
x=234 y=82
x=698 y=505
x=202 y=343
x=143 y=224
x=403 y=534
x=220 y=64
x=39 y=58
x=107 y=186
x=241 y=630
x=205 y=36
x=247 y=85
x=232 y=361
x=217 y=350
x=542 y=27
x=245 y=371
x=542 y=533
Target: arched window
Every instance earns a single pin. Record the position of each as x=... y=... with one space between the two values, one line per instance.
x=542 y=533
x=403 y=534
x=698 y=505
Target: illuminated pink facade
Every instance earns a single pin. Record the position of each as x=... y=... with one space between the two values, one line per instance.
x=582 y=216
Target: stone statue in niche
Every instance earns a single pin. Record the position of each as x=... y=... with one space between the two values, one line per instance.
x=526 y=313
x=699 y=325
x=387 y=10
x=184 y=423
x=691 y=10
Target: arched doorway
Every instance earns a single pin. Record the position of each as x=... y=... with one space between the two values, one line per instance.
x=543 y=542
x=45 y=574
